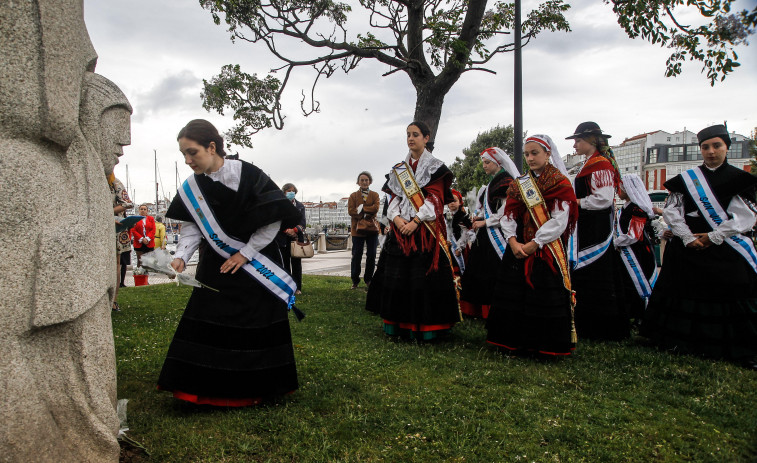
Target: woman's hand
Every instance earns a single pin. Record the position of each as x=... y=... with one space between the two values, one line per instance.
x=530 y=247
x=234 y=263
x=178 y=265
x=517 y=248
x=479 y=224
x=704 y=240
x=409 y=228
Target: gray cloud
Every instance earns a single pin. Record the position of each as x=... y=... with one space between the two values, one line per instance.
x=177 y=92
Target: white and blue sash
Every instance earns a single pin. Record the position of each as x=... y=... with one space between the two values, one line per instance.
x=494 y=233
x=584 y=257
x=459 y=259
x=713 y=212
x=260 y=268
x=643 y=286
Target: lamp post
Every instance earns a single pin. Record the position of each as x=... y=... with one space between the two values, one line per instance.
x=518 y=91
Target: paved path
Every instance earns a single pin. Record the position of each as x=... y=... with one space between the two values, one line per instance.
x=332 y=263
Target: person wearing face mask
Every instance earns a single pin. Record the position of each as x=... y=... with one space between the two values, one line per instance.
x=487 y=250
x=292 y=265
x=362 y=206
x=705 y=299
x=233 y=346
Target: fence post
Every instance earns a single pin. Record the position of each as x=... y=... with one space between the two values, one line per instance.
x=322 y=243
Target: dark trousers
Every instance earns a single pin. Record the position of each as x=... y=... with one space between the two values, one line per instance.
x=292 y=265
x=371 y=241
x=125 y=258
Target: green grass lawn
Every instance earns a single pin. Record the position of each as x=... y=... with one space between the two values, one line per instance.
x=364 y=397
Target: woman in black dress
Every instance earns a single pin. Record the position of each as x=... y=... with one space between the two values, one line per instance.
x=232 y=346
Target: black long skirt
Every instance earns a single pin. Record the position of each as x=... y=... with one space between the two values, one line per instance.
x=525 y=318
x=600 y=311
x=704 y=303
x=478 y=281
x=411 y=299
x=232 y=347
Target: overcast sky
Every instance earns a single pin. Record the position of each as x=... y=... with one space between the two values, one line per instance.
x=158 y=52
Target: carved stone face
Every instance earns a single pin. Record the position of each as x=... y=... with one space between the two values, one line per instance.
x=116 y=133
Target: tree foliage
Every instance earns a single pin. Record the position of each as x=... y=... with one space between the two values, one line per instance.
x=712 y=43
x=469 y=173
x=432 y=41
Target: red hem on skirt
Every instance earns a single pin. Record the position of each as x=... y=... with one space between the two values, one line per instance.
x=417 y=327
x=536 y=350
x=472 y=309
x=217 y=401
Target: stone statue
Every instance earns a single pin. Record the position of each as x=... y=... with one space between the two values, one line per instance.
x=57 y=273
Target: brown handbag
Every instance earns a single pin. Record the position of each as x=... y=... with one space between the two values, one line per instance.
x=300 y=250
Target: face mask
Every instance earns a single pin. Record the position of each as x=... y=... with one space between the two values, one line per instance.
x=290 y=195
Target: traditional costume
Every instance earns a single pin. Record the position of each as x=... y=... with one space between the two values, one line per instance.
x=596 y=276
x=459 y=234
x=413 y=288
x=532 y=304
x=705 y=300
x=637 y=258
x=489 y=247
x=233 y=347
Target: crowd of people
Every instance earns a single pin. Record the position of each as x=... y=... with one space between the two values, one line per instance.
x=545 y=261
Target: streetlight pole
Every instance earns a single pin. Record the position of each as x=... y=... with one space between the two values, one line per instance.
x=518 y=90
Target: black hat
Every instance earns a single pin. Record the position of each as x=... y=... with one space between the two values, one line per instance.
x=585 y=129
x=719 y=130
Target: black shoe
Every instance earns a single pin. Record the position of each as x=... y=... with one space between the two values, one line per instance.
x=115 y=307
x=122 y=285
x=354 y=286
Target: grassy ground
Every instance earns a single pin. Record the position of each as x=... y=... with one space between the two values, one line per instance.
x=364 y=397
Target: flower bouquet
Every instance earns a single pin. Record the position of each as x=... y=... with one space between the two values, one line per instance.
x=159 y=261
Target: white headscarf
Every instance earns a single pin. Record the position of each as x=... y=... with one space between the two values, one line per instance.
x=499 y=157
x=637 y=193
x=554 y=155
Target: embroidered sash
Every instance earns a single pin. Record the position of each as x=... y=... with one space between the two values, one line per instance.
x=540 y=214
x=494 y=233
x=415 y=196
x=628 y=256
x=713 y=212
x=264 y=271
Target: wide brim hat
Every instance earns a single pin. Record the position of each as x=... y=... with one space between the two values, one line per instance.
x=586 y=129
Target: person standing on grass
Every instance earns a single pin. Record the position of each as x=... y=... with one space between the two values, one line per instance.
x=233 y=346
x=413 y=288
x=634 y=245
x=487 y=250
x=596 y=276
x=121 y=204
x=533 y=301
x=285 y=237
x=705 y=300
x=459 y=232
x=363 y=205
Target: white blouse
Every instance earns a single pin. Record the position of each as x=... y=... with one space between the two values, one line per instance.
x=550 y=231
x=229 y=174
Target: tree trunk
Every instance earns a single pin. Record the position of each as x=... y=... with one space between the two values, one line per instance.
x=428 y=106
